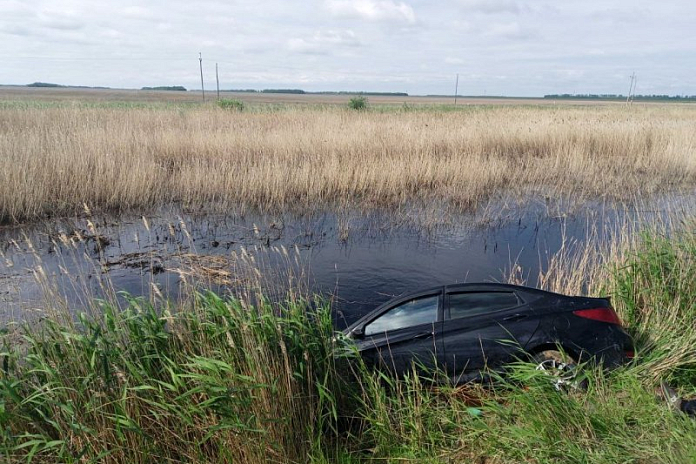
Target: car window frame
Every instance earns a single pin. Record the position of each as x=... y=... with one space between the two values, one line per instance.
x=447 y=303
x=439 y=316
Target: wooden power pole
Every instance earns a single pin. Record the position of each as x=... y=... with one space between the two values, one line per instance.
x=631 y=88
x=200 y=61
x=456 y=89
x=217 y=81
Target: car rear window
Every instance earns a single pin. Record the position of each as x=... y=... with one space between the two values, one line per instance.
x=413 y=312
x=474 y=303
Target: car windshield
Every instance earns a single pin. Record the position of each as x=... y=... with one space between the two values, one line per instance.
x=413 y=312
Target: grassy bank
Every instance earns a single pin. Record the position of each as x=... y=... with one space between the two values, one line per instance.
x=222 y=381
x=55 y=160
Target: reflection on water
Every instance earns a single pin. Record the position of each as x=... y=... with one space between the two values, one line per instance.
x=362 y=261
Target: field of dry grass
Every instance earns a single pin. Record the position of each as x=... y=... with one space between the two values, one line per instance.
x=72 y=94
x=54 y=160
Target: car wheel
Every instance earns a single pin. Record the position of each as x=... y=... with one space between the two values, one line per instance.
x=562 y=369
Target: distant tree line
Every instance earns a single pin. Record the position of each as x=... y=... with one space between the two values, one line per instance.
x=181 y=88
x=369 y=94
x=178 y=88
x=51 y=85
x=44 y=84
x=611 y=96
x=295 y=91
x=304 y=92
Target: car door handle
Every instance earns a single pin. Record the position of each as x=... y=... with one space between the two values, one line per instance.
x=515 y=317
x=423 y=335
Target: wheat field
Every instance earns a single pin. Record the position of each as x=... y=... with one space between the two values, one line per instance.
x=56 y=160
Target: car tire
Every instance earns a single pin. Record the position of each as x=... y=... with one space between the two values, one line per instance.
x=562 y=369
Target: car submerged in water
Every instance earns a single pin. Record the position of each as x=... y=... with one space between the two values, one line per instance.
x=466 y=329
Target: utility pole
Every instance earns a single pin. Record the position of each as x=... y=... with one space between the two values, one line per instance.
x=456 y=90
x=631 y=88
x=635 y=83
x=200 y=60
x=217 y=80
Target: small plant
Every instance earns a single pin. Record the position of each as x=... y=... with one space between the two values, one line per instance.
x=358 y=103
x=230 y=104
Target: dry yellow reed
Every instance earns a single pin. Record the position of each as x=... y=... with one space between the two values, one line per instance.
x=56 y=160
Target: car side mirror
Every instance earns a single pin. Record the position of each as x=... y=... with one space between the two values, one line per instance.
x=358 y=332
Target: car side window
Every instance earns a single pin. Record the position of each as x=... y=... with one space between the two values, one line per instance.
x=413 y=312
x=475 y=303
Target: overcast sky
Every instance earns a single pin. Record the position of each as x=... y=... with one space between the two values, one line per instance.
x=498 y=47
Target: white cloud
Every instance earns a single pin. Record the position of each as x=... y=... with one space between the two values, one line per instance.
x=323 y=42
x=295 y=43
x=372 y=10
x=15 y=10
x=61 y=20
x=570 y=73
x=136 y=12
x=111 y=33
x=512 y=30
x=16 y=29
x=620 y=16
x=62 y=24
x=492 y=6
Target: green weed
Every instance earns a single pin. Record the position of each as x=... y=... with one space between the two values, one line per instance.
x=230 y=104
x=358 y=103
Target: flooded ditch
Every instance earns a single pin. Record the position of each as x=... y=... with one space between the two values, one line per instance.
x=360 y=259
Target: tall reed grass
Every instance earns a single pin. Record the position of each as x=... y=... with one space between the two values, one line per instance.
x=55 y=160
x=649 y=270
x=221 y=382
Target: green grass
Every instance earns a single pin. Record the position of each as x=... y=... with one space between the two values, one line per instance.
x=224 y=381
x=655 y=291
x=618 y=419
x=230 y=104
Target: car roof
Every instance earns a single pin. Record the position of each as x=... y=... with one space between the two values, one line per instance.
x=486 y=286
x=457 y=287
x=493 y=287
x=472 y=287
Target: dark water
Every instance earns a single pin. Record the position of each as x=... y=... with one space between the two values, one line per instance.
x=361 y=260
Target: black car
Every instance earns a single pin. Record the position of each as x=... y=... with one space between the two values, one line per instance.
x=466 y=328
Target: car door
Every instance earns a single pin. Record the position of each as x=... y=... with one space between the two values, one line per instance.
x=405 y=332
x=484 y=328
